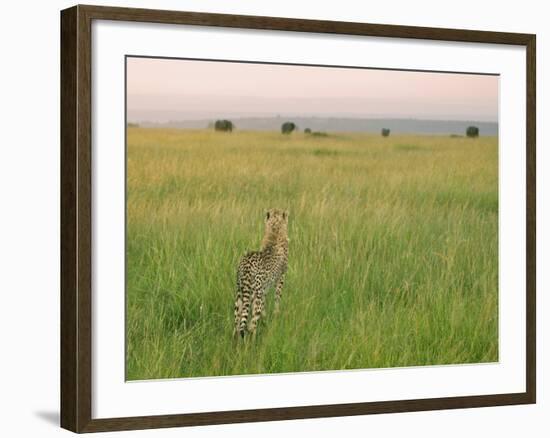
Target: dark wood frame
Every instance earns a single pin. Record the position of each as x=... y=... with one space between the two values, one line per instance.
x=76 y=219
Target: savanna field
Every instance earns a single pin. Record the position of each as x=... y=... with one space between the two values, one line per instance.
x=393 y=252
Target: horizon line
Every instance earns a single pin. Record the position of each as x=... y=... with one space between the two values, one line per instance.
x=201 y=119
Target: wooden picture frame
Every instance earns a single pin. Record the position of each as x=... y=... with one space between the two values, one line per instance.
x=76 y=218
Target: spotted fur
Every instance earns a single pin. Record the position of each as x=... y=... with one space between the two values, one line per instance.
x=260 y=270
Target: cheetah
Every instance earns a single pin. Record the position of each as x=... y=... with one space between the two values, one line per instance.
x=258 y=271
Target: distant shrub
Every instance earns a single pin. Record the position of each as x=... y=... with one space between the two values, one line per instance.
x=385 y=132
x=307 y=131
x=224 y=125
x=133 y=125
x=319 y=134
x=472 y=131
x=325 y=152
x=456 y=136
x=288 y=127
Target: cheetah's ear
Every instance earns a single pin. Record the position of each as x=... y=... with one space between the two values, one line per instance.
x=267 y=215
x=285 y=214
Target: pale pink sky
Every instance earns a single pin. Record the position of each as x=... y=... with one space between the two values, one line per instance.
x=171 y=89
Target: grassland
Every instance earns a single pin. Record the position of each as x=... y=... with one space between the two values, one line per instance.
x=393 y=250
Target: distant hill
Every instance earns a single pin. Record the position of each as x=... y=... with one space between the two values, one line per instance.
x=332 y=124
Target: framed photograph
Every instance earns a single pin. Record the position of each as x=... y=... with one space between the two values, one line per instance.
x=269 y=218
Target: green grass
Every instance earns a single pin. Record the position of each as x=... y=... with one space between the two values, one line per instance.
x=393 y=250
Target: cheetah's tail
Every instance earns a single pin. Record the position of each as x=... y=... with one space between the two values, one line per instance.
x=242 y=309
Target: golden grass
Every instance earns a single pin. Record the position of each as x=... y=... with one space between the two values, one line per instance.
x=393 y=250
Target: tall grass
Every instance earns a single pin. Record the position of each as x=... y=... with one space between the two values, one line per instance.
x=393 y=250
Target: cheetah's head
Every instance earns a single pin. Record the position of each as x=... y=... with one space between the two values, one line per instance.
x=276 y=219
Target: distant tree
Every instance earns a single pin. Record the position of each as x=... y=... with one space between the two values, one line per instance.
x=133 y=125
x=307 y=131
x=288 y=127
x=385 y=132
x=472 y=131
x=224 y=125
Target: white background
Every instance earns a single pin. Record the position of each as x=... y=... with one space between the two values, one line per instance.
x=29 y=236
